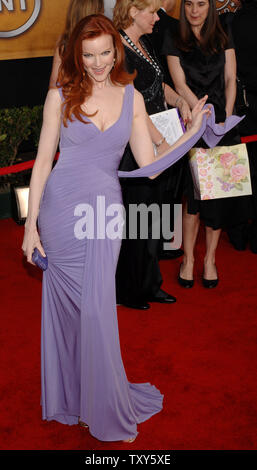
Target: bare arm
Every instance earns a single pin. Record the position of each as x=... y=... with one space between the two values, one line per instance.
x=156 y=137
x=48 y=142
x=173 y=99
x=171 y=96
x=230 y=80
x=140 y=140
x=177 y=101
x=55 y=68
x=179 y=80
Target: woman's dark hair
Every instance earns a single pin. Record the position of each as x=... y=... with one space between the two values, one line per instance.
x=213 y=37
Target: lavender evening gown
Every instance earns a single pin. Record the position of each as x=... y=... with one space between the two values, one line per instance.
x=82 y=369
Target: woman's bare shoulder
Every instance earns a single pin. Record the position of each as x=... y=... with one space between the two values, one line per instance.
x=54 y=94
x=139 y=104
x=53 y=100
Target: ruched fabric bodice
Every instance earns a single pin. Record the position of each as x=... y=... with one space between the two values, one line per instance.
x=96 y=153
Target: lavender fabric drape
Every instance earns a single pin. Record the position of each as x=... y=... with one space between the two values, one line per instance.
x=211 y=132
x=82 y=372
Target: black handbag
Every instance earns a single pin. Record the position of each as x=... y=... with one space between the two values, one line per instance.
x=246 y=104
x=242 y=104
x=252 y=103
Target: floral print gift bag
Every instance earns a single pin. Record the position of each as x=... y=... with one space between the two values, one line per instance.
x=220 y=172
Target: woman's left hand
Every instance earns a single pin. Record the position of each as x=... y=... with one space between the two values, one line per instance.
x=185 y=111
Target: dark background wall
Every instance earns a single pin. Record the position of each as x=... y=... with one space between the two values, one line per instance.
x=24 y=81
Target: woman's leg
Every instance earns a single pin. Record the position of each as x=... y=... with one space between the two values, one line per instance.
x=191 y=223
x=212 y=239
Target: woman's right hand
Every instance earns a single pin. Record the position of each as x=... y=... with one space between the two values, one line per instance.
x=197 y=114
x=31 y=241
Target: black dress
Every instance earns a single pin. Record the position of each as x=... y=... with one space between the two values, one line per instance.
x=138 y=276
x=169 y=24
x=205 y=75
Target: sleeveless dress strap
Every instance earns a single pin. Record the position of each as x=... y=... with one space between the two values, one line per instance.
x=128 y=104
x=61 y=93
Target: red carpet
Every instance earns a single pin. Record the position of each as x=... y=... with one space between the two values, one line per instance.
x=201 y=353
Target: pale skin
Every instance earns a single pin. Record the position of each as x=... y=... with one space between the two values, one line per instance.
x=143 y=23
x=196 y=13
x=107 y=100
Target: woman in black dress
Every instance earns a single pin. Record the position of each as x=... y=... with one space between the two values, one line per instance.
x=138 y=278
x=202 y=61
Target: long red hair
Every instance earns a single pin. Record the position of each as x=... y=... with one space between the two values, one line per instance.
x=75 y=83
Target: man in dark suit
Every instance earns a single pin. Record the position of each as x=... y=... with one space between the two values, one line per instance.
x=165 y=23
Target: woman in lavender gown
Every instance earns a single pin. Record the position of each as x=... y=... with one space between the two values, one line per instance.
x=96 y=111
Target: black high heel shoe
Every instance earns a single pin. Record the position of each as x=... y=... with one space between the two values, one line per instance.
x=210 y=283
x=187 y=283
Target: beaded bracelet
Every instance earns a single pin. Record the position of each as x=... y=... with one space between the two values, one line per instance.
x=160 y=142
x=178 y=99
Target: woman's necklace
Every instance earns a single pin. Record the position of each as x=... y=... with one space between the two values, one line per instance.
x=152 y=62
